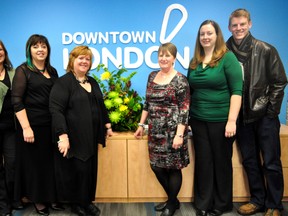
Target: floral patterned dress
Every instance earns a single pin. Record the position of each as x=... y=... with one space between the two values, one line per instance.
x=167 y=106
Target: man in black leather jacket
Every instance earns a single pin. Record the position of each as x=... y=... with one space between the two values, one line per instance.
x=258 y=126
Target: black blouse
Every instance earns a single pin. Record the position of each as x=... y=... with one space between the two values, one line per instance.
x=30 y=91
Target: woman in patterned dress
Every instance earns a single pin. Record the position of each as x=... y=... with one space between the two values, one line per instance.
x=166 y=109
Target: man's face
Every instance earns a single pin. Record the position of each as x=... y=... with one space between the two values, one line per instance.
x=239 y=27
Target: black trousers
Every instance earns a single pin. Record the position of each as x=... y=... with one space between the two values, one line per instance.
x=256 y=140
x=7 y=169
x=213 y=166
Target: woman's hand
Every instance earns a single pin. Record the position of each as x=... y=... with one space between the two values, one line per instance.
x=28 y=135
x=177 y=142
x=230 y=129
x=139 y=133
x=109 y=132
x=63 y=146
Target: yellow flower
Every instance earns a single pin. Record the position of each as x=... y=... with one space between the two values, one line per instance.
x=108 y=103
x=114 y=116
x=138 y=106
x=122 y=108
x=113 y=94
x=117 y=101
x=106 y=75
x=126 y=100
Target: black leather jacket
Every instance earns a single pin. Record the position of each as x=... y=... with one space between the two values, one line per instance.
x=264 y=83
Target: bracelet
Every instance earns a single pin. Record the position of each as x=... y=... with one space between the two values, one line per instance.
x=62 y=140
x=180 y=135
x=142 y=125
x=109 y=128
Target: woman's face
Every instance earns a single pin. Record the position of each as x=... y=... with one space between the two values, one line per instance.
x=39 y=52
x=166 y=60
x=82 y=64
x=207 y=36
x=2 y=55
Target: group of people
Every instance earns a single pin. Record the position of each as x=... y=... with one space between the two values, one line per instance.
x=49 y=154
x=233 y=90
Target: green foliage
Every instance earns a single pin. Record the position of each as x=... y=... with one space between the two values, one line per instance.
x=124 y=105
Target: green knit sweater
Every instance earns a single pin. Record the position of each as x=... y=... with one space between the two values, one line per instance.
x=212 y=88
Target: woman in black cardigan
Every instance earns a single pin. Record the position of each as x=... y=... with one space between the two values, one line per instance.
x=80 y=121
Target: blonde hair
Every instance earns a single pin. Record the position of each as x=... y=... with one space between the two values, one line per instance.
x=219 y=50
x=77 y=51
x=240 y=12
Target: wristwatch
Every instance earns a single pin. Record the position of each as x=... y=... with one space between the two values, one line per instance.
x=142 y=125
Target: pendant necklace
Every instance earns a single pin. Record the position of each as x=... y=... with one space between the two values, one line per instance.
x=165 y=75
x=85 y=80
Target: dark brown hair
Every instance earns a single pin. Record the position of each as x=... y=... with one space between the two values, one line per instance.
x=7 y=63
x=33 y=40
x=219 y=50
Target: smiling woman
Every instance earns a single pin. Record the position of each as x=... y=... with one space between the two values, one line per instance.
x=166 y=111
x=31 y=86
x=76 y=139
x=215 y=79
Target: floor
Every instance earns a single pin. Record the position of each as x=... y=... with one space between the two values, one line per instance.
x=134 y=209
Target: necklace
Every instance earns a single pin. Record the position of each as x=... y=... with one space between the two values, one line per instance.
x=85 y=80
x=42 y=71
x=165 y=75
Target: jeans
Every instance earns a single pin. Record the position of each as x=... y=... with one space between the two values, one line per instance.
x=259 y=143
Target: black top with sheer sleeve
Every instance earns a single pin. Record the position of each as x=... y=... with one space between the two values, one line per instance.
x=30 y=91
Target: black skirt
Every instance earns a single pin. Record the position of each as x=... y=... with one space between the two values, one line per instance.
x=34 y=175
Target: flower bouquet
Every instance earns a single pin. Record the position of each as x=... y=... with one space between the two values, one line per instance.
x=124 y=105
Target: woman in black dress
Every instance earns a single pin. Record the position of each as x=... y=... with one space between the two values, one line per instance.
x=80 y=122
x=31 y=87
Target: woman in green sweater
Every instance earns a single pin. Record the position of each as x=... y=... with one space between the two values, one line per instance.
x=215 y=79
